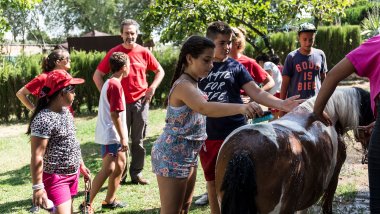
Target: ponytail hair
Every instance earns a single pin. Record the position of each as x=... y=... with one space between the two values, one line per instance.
x=49 y=62
x=195 y=46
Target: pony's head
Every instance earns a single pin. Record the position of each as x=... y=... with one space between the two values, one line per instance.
x=347 y=108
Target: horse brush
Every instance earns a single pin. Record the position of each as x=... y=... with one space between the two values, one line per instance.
x=266 y=116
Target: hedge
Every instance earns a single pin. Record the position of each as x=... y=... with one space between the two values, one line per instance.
x=14 y=75
x=335 y=41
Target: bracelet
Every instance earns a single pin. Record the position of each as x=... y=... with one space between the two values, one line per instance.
x=38 y=186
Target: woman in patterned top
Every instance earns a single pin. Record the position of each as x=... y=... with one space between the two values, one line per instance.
x=56 y=156
x=174 y=154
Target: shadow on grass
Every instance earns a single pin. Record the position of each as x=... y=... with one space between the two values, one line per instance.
x=148 y=143
x=91 y=156
x=16 y=177
x=193 y=208
x=91 y=152
x=16 y=206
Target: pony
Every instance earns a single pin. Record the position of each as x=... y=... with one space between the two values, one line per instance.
x=288 y=164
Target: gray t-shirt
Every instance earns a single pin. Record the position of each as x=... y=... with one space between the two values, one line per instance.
x=63 y=154
x=304 y=72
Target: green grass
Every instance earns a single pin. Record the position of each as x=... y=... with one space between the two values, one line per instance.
x=15 y=180
x=346 y=192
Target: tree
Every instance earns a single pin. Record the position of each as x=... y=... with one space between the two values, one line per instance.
x=39 y=36
x=326 y=10
x=177 y=19
x=371 y=24
x=90 y=15
x=358 y=12
x=18 y=5
x=17 y=19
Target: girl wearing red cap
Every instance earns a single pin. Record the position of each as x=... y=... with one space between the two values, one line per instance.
x=56 y=156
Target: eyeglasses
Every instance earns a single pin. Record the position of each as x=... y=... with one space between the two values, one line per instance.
x=69 y=89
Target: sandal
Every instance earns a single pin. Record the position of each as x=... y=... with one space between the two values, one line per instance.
x=115 y=204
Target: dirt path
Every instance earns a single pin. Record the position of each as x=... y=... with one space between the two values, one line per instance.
x=12 y=130
x=354 y=174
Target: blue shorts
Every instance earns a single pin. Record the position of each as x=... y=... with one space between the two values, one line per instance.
x=176 y=158
x=111 y=149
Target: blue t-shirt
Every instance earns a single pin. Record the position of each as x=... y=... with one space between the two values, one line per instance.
x=304 y=72
x=223 y=85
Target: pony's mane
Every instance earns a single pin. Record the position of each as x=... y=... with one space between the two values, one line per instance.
x=343 y=107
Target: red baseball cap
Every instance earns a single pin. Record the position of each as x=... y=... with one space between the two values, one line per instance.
x=57 y=80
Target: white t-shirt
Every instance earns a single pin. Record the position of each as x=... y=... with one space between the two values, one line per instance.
x=276 y=75
x=111 y=99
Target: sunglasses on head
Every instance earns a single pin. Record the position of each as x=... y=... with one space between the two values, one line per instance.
x=69 y=89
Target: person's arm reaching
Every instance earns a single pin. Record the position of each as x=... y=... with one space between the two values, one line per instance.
x=339 y=72
x=268 y=99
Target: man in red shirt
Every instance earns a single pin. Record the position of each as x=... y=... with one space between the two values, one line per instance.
x=138 y=93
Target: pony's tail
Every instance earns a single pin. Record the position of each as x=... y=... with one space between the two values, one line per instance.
x=239 y=185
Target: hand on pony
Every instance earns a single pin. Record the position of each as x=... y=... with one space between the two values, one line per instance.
x=324 y=118
x=290 y=103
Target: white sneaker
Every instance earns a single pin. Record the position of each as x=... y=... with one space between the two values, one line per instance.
x=203 y=200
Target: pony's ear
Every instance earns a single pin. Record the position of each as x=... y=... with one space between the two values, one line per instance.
x=366 y=114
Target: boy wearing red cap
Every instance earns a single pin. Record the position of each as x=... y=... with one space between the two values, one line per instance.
x=56 y=156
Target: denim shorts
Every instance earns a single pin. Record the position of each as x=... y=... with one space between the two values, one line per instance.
x=111 y=149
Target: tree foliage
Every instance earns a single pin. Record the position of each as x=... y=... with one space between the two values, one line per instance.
x=371 y=24
x=177 y=19
x=15 y=5
x=325 y=10
x=90 y=15
x=358 y=12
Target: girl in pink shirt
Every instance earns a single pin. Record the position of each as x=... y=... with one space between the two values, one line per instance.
x=365 y=62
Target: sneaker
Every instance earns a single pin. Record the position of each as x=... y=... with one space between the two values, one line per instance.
x=86 y=209
x=202 y=200
x=115 y=204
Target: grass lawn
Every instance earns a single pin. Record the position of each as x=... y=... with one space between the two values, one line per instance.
x=15 y=179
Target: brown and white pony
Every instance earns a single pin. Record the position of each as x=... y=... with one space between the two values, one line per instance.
x=288 y=164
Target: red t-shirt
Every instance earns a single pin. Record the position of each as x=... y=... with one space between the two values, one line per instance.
x=254 y=69
x=36 y=84
x=142 y=60
x=114 y=96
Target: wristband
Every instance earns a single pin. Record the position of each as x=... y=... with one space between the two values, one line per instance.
x=38 y=186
